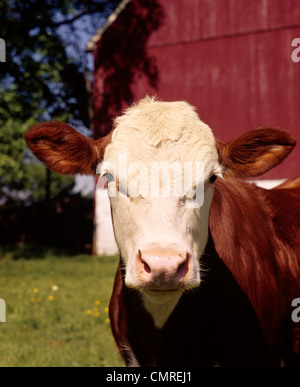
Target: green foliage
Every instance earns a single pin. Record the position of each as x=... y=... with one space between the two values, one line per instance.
x=40 y=81
x=21 y=176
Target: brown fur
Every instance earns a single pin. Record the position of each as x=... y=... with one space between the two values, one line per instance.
x=256 y=233
x=64 y=150
x=241 y=312
x=255 y=152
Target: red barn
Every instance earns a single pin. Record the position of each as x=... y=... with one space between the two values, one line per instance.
x=237 y=61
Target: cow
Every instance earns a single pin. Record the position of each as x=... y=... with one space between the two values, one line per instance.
x=209 y=263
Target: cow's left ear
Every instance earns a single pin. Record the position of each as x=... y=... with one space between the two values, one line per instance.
x=255 y=152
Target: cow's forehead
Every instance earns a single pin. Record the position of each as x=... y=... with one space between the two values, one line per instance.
x=165 y=131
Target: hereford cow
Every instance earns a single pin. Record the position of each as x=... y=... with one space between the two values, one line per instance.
x=209 y=264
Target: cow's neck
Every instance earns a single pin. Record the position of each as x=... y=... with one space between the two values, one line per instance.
x=239 y=222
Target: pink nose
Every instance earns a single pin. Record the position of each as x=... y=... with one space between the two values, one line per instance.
x=162 y=269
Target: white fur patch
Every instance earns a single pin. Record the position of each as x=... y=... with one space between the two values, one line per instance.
x=160 y=306
x=157 y=132
x=171 y=131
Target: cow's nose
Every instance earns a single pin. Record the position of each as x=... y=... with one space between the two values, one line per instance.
x=162 y=269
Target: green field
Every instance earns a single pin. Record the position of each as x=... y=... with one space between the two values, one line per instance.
x=56 y=311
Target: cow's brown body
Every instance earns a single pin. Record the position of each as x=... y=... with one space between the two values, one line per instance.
x=209 y=285
x=241 y=312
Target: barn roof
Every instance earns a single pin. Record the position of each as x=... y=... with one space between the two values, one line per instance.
x=91 y=45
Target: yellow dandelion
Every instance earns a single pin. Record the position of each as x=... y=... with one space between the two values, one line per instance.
x=107 y=320
x=35 y=290
x=88 y=312
x=97 y=302
x=96 y=314
x=51 y=298
x=106 y=309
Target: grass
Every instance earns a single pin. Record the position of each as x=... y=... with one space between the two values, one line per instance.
x=56 y=311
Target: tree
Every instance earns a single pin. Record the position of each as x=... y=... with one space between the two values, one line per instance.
x=42 y=79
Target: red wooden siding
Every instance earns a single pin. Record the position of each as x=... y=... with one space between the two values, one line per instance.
x=229 y=58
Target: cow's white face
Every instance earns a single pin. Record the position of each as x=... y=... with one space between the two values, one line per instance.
x=160 y=229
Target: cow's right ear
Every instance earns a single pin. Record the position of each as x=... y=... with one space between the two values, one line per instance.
x=255 y=152
x=64 y=150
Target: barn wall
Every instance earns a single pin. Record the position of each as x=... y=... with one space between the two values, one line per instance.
x=191 y=20
x=229 y=58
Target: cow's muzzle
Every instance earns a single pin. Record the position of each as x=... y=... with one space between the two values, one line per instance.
x=162 y=269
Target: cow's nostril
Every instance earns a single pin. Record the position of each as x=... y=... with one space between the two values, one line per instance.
x=183 y=268
x=146 y=267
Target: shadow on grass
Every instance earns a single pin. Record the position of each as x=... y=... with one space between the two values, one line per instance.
x=32 y=251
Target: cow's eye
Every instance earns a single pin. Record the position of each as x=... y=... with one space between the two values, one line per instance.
x=109 y=177
x=190 y=197
x=213 y=178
